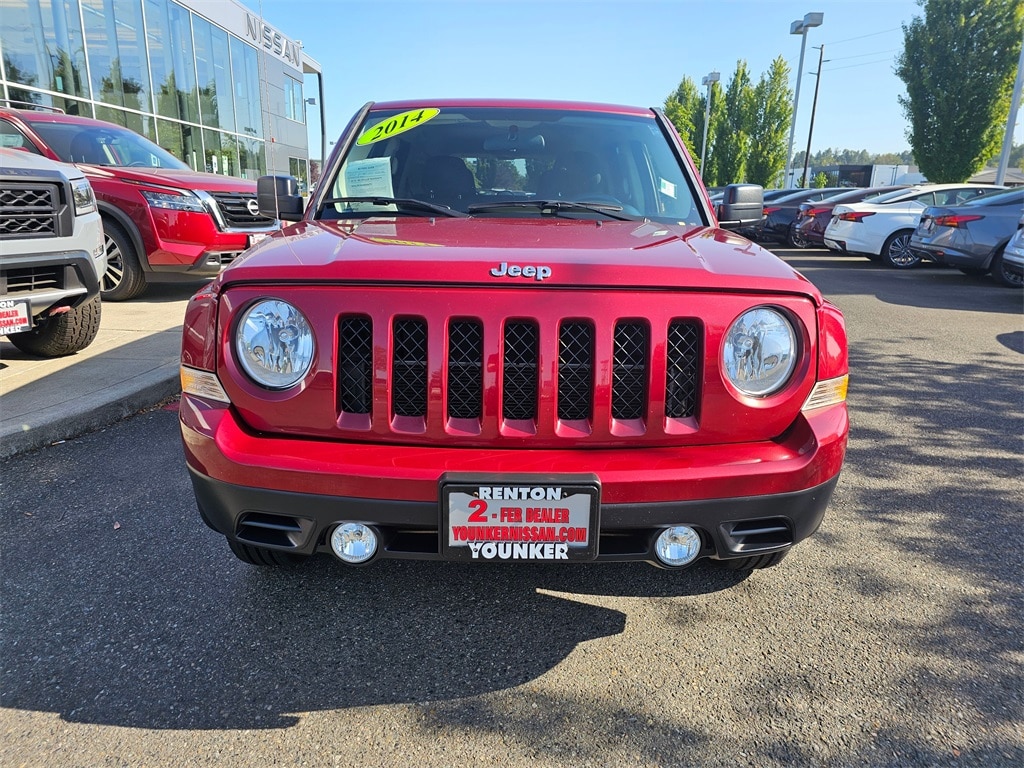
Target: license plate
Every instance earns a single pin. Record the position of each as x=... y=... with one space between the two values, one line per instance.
x=257 y=237
x=489 y=520
x=15 y=316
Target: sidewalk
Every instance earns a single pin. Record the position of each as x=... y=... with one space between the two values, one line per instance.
x=132 y=364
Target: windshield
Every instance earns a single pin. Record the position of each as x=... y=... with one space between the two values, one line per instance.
x=509 y=161
x=103 y=144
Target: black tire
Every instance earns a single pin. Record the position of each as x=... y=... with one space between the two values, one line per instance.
x=63 y=334
x=1004 y=275
x=797 y=238
x=896 y=252
x=124 y=278
x=270 y=558
x=757 y=562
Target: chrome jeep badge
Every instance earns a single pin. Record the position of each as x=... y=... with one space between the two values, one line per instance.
x=537 y=272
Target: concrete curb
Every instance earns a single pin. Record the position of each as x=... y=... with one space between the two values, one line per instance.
x=93 y=412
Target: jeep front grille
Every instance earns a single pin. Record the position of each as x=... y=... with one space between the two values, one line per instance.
x=234 y=208
x=518 y=377
x=29 y=210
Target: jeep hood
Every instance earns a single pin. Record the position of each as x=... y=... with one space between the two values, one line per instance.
x=472 y=251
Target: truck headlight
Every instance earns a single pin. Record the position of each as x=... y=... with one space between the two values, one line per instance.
x=760 y=352
x=82 y=194
x=274 y=344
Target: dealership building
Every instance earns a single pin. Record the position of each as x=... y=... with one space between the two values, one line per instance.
x=208 y=80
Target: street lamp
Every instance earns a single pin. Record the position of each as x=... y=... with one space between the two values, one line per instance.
x=799 y=27
x=709 y=79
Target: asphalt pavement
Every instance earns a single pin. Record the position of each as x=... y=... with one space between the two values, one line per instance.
x=131 y=365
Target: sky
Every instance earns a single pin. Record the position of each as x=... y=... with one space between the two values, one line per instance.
x=633 y=52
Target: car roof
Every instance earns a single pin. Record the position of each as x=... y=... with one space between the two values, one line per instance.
x=41 y=116
x=583 y=106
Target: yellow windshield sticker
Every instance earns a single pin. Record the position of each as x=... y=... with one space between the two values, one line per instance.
x=396 y=125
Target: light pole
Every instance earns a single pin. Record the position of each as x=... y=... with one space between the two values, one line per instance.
x=799 y=27
x=814 y=107
x=709 y=79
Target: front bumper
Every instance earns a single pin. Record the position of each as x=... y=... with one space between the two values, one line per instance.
x=288 y=494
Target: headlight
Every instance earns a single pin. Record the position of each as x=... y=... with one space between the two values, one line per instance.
x=81 y=193
x=760 y=352
x=274 y=344
x=183 y=201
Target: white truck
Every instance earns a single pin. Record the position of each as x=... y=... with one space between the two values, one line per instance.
x=51 y=255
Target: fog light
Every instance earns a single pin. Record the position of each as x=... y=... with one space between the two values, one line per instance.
x=678 y=545
x=354 y=542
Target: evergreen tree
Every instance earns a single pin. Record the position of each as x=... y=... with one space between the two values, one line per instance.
x=734 y=128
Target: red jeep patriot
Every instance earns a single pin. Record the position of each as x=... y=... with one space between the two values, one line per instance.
x=512 y=331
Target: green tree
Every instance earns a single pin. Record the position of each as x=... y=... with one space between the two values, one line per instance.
x=958 y=64
x=682 y=108
x=772 y=109
x=733 y=130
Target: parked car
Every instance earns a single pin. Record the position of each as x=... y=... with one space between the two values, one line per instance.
x=587 y=366
x=51 y=256
x=159 y=216
x=781 y=212
x=1013 y=254
x=808 y=229
x=769 y=195
x=972 y=237
x=882 y=229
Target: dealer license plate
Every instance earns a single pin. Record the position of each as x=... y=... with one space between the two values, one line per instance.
x=257 y=237
x=487 y=520
x=15 y=316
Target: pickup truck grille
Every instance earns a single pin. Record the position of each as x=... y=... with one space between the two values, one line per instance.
x=29 y=210
x=521 y=380
x=234 y=207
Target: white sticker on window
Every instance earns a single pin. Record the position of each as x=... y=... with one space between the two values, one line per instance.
x=667 y=188
x=369 y=178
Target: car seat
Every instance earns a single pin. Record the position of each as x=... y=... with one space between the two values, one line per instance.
x=447 y=181
x=573 y=177
x=86 y=149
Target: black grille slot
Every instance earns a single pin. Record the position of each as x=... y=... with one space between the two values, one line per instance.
x=519 y=387
x=465 y=370
x=683 y=369
x=234 y=207
x=409 y=368
x=629 y=370
x=29 y=210
x=32 y=279
x=575 y=371
x=355 y=365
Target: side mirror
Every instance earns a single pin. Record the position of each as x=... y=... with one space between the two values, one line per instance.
x=279 y=198
x=742 y=205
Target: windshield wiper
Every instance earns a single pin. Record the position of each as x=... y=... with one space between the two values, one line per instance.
x=557 y=206
x=406 y=202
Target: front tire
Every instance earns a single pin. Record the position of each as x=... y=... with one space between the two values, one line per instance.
x=267 y=558
x=756 y=562
x=896 y=252
x=1004 y=275
x=124 y=278
x=64 y=334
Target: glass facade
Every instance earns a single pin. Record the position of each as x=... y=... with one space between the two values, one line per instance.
x=152 y=66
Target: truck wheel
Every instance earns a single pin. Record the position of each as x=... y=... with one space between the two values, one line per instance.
x=265 y=557
x=124 y=278
x=1004 y=275
x=896 y=252
x=754 y=563
x=64 y=334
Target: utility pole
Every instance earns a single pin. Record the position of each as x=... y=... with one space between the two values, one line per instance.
x=709 y=80
x=814 y=107
x=1004 y=155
